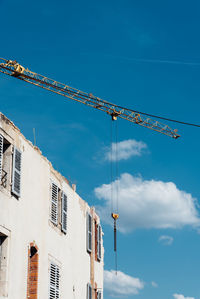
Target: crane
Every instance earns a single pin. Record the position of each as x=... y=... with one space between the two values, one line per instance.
x=14 y=69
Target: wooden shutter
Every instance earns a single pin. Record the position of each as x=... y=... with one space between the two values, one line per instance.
x=54 y=286
x=16 y=172
x=98 y=294
x=64 y=212
x=99 y=242
x=89 y=291
x=89 y=232
x=54 y=203
x=1 y=156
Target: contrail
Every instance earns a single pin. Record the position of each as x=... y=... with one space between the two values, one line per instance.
x=162 y=61
x=165 y=61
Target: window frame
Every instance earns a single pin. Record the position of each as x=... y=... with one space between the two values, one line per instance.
x=16 y=171
x=54 y=203
x=64 y=209
x=99 y=240
x=89 y=291
x=4 y=260
x=99 y=293
x=54 y=288
x=89 y=233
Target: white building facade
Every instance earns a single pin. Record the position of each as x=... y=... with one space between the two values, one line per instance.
x=50 y=239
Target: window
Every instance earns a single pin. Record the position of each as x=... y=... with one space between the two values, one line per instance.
x=16 y=173
x=99 y=242
x=5 y=162
x=2 y=238
x=58 y=214
x=99 y=294
x=98 y=234
x=54 y=282
x=89 y=291
x=5 y=166
x=32 y=279
x=89 y=232
x=64 y=212
x=54 y=203
x=3 y=264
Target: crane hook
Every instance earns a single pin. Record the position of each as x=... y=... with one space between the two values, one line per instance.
x=115 y=217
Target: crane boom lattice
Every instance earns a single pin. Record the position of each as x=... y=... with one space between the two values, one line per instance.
x=12 y=68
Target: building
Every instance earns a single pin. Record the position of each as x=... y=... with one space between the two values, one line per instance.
x=50 y=239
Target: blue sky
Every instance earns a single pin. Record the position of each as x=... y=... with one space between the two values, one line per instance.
x=140 y=54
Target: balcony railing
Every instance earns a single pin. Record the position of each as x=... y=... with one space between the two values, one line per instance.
x=4 y=178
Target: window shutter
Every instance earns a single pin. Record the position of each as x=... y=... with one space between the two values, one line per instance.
x=54 y=287
x=89 y=232
x=64 y=212
x=99 y=242
x=1 y=156
x=16 y=174
x=54 y=203
x=58 y=283
x=89 y=291
x=98 y=294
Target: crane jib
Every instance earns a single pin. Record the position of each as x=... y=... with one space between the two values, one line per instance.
x=13 y=68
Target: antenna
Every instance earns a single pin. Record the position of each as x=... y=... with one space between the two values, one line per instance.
x=34 y=138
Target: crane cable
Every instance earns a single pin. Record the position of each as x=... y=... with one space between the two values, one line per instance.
x=114 y=184
x=167 y=119
x=117 y=190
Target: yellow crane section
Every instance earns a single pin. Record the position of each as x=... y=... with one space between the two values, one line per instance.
x=13 y=68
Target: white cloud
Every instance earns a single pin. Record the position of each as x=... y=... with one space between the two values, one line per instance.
x=148 y=204
x=179 y=296
x=125 y=150
x=121 y=284
x=166 y=240
x=154 y=284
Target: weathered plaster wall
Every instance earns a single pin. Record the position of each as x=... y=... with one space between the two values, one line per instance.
x=27 y=220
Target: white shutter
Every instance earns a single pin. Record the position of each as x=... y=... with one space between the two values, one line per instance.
x=16 y=172
x=89 y=232
x=89 y=291
x=54 y=285
x=99 y=242
x=1 y=156
x=58 y=283
x=64 y=212
x=98 y=294
x=54 y=203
